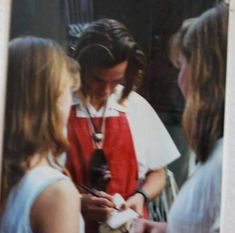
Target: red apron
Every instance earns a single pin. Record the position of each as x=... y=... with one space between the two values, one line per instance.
x=118 y=149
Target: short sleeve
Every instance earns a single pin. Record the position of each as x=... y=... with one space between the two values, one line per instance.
x=153 y=144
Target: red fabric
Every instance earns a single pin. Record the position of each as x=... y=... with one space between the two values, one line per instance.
x=118 y=148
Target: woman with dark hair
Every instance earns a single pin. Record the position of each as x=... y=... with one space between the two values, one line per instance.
x=202 y=76
x=36 y=195
x=113 y=130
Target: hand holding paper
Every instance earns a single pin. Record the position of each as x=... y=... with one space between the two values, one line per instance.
x=118 y=218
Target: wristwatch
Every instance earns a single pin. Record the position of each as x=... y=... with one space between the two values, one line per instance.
x=145 y=195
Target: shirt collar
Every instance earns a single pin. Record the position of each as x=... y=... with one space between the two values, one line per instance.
x=113 y=101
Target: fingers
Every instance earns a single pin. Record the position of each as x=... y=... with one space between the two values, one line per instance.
x=106 y=196
x=160 y=227
x=103 y=202
x=97 y=208
x=148 y=226
x=100 y=214
x=123 y=206
x=136 y=203
x=138 y=226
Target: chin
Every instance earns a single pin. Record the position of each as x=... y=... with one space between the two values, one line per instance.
x=102 y=98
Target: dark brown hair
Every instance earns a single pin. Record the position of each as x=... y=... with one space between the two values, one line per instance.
x=106 y=43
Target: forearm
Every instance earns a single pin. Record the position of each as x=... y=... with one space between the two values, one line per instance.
x=152 y=186
x=154 y=183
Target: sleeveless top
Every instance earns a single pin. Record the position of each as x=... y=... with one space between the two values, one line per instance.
x=16 y=216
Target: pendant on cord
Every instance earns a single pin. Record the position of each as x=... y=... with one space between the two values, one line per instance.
x=98 y=137
x=100 y=173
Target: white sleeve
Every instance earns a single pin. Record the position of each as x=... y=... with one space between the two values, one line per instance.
x=153 y=145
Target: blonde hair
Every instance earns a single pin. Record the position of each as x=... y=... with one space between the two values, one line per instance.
x=33 y=121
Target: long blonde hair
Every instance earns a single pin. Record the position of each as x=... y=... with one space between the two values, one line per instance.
x=33 y=121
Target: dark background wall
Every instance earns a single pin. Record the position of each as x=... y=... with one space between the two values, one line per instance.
x=45 y=18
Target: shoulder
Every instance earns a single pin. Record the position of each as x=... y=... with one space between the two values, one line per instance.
x=135 y=98
x=212 y=169
x=139 y=109
x=61 y=189
x=132 y=97
x=135 y=103
x=57 y=194
x=202 y=191
x=59 y=202
x=217 y=151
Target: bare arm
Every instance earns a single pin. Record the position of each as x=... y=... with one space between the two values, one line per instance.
x=152 y=186
x=57 y=209
x=154 y=183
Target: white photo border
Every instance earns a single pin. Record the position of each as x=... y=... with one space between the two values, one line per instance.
x=5 y=13
x=228 y=174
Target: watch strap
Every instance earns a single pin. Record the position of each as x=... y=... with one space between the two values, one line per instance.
x=144 y=194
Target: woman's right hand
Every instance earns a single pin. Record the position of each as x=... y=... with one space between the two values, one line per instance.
x=97 y=208
x=148 y=226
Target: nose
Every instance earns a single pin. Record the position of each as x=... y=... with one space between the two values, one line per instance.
x=107 y=88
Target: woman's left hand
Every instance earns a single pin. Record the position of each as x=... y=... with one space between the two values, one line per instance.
x=136 y=202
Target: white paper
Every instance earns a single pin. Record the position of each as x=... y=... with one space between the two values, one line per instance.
x=118 y=218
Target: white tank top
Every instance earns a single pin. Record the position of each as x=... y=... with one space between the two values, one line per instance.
x=16 y=217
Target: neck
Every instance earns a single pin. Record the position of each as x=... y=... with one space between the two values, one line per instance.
x=38 y=160
x=97 y=104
